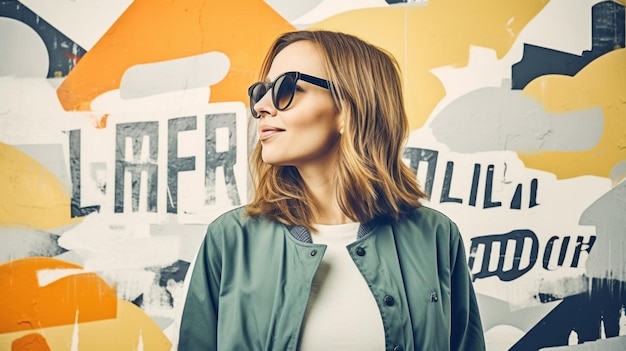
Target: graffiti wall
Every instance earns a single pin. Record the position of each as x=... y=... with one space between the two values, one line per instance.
x=124 y=131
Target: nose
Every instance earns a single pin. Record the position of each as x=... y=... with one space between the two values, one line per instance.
x=265 y=106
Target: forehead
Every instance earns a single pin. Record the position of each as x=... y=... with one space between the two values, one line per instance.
x=302 y=56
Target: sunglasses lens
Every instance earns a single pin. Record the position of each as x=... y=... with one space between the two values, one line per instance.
x=256 y=93
x=284 y=88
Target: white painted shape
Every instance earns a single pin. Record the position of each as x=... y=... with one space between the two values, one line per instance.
x=84 y=21
x=424 y=136
x=30 y=113
x=49 y=276
x=553 y=196
x=172 y=103
x=329 y=8
x=75 y=333
x=144 y=154
x=104 y=246
x=96 y=164
x=502 y=337
x=140 y=344
x=509 y=257
x=127 y=194
x=23 y=54
x=573 y=338
x=494 y=256
x=143 y=181
x=422 y=172
x=524 y=261
x=129 y=283
x=483 y=70
x=178 y=74
x=561 y=26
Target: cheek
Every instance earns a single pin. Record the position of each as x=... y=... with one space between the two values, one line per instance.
x=314 y=131
x=312 y=139
x=313 y=114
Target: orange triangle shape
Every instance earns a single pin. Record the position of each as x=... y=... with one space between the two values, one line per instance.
x=157 y=30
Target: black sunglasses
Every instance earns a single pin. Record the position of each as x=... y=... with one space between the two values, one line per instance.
x=283 y=90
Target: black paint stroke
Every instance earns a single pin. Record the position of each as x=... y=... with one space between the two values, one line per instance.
x=226 y=160
x=135 y=132
x=177 y=164
x=415 y=156
x=75 y=165
x=607 y=34
x=175 y=272
x=63 y=53
x=583 y=313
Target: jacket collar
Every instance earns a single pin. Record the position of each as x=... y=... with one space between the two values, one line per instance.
x=302 y=234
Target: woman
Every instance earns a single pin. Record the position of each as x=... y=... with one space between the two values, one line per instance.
x=335 y=250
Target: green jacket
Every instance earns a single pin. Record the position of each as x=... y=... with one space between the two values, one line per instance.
x=251 y=280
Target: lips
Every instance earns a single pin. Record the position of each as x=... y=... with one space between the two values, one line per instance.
x=265 y=132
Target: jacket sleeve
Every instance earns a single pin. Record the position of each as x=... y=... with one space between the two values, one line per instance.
x=198 y=327
x=466 y=331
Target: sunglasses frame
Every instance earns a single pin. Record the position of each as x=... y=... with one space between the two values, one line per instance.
x=295 y=75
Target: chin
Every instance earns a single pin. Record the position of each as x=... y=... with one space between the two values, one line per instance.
x=276 y=161
x=270 y=160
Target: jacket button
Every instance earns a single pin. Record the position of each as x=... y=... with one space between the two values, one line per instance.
x=398 y=348
x=389 y=300
x=360 y=251
x=313 y=252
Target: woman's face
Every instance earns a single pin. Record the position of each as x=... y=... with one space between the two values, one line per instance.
x=305 y=133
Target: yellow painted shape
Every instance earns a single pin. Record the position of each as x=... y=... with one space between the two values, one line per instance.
x=160 y=30
x=31 y=195
x=439 y=34
x=120 y=334
x=602 y=83
x=25 y=305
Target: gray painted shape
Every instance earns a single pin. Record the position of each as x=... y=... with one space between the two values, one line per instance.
x=495 y=312
x=25 y=242
x=494 y=119
x=618 y=172
x=191 y=235
x=174 y=75
x=611 y=344
x=50 y=156
x=23 y=54
x=290 y=9
x=608 y=254
x=75 y=258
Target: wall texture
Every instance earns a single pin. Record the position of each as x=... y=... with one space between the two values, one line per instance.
x=124 y=132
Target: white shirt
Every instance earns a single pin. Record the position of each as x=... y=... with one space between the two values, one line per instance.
x=342 y=312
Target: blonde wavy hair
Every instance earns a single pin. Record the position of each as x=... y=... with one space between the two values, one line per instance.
x=372 y=181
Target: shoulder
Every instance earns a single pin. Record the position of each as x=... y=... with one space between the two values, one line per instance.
x=234 y=217
x=237 y=223
x=424 y=215
x=428 y=222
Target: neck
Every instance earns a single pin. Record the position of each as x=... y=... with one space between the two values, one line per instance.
x=323 y=188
